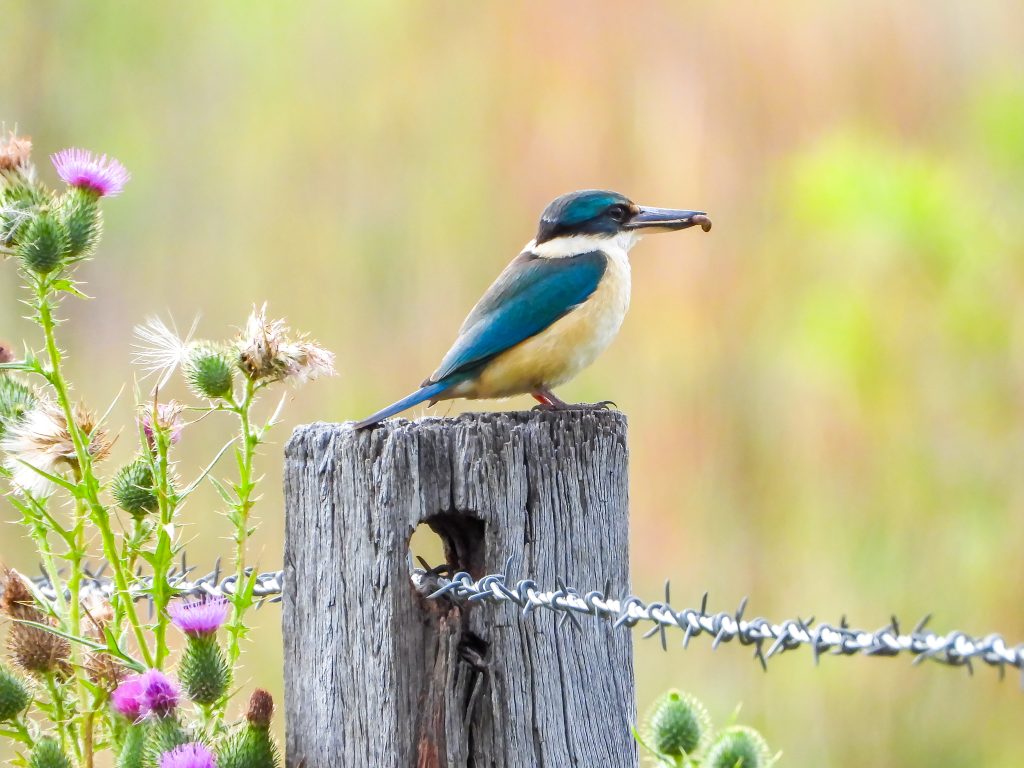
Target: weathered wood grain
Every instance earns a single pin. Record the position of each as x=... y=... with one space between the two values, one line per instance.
x=375 y=676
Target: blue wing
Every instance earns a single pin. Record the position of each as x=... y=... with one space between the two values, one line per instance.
x=531 y=294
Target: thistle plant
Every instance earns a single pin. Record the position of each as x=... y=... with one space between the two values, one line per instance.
x=677 y=733
x=85 y=675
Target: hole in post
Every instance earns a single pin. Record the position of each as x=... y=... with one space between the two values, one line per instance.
x=425 y=546
x=452 y=539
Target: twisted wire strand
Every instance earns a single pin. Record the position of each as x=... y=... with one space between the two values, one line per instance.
x=269 y=587
x=768 y=639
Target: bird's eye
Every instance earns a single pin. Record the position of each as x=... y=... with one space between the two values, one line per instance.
x=618 y=212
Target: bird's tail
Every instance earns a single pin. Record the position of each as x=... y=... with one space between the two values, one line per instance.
x=421 y=394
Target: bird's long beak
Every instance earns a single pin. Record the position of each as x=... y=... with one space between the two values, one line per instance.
x=668 y=219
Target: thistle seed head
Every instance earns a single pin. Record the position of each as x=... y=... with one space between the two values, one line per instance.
x=15 y=152
x=104 y=670
x=33 y=649
x=267 y=352
x=41 y=439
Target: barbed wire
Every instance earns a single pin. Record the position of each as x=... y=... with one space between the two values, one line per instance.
x=768 y=639
x=269 y=586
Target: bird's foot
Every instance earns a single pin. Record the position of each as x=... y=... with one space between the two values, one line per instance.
x=549 y=402
x=604 y=405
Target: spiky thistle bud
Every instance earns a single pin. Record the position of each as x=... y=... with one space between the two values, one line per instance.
x=14 y=696
x=79 y=210
x=32 y=648
x=133 y=488
x=48 y=754
x=43 y=242
x=738 y=747
x=261 y=709
x=16 y=399
x=204 y=670
x=208 y=371
x=251 y=745
x=133 y=749
x=677 y=724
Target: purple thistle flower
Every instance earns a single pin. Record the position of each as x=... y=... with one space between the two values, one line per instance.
x=103 y=176
x=159 y=693
x=191 y=755
x=128 y=698
x=199 y=618
x=142 y=694
x=168 y=418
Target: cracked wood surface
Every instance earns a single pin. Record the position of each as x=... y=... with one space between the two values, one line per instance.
x=376 y=676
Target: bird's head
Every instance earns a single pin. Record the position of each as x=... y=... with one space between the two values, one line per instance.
x=600 y=214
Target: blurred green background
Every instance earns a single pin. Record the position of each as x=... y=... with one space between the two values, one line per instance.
x=826 y=393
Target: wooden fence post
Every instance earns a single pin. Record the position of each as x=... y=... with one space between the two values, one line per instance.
x=378 y=677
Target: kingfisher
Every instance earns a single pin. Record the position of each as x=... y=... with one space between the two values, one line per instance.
x=554 y=308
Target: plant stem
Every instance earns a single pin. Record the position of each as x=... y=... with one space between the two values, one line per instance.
x=76 y=554
x=65 y=728
x=87 y=736
x=164 y=554
x=242 y=598
x=88 y=487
